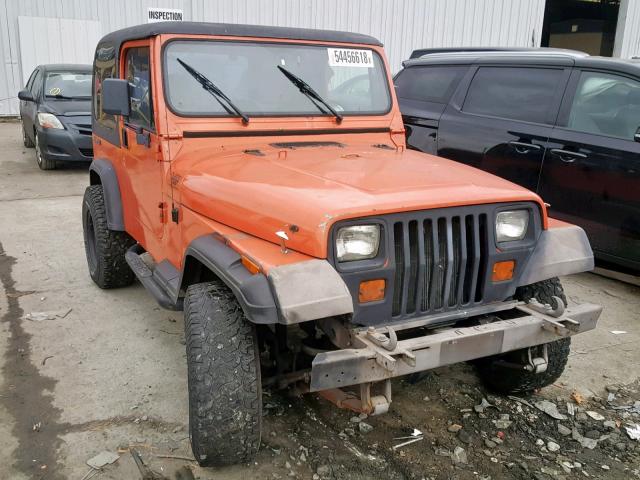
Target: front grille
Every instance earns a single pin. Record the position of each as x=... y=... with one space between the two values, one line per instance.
x=440 y=263
x=87 y=152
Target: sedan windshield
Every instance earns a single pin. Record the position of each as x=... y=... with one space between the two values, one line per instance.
x=68 y=84
x=351 y=80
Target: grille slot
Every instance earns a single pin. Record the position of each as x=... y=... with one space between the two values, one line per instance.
x=440 y=263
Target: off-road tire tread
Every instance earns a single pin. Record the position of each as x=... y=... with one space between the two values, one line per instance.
x=225 y=395
x=543 y=291
x=113 y=270
x=506 y=380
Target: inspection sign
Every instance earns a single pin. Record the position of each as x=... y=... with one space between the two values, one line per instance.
x=163 y=15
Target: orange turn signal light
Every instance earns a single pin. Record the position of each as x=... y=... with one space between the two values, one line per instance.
x=503 y=271
x=250 y=265
x=371 y=291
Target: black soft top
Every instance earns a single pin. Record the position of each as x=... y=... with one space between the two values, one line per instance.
x=233 y=30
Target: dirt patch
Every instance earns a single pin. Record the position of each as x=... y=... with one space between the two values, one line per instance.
x=24 y=388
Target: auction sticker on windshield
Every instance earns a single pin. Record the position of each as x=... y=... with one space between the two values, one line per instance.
x=347 y=57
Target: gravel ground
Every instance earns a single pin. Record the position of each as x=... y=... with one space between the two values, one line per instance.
x=107 y=372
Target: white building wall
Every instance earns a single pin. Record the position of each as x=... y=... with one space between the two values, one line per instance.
x=627 y=43
x=402 y=25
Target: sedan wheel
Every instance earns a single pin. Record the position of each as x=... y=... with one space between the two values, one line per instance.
x=43 y=162
x=25 y=139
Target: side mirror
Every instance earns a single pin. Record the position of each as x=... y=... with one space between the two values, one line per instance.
x=115 y=96
x=26 y=96
x=636 y=137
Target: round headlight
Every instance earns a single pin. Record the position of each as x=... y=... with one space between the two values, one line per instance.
x=357 y=243
x=511 y=225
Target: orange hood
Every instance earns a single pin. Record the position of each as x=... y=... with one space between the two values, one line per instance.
x=314 y=187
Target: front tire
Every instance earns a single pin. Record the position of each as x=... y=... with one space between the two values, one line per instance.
x=43 y=162
x=499 y=377
x=105 y=249
x=225 y=395
x=25 y=138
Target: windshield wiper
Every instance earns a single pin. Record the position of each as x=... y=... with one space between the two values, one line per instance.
x=210 y=87
x=59 y=96
x=306 y=89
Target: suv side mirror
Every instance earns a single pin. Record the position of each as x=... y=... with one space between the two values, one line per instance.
x=26 y=96
x=636 y=137
x=115 y=96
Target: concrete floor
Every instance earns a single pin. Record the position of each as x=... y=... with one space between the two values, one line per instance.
x=77 y=385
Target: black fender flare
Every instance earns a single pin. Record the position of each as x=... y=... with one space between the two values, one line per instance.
x=252 y=291
x=111 y=190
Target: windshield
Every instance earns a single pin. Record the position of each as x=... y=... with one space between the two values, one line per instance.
x=68 y=84
x=352 y=81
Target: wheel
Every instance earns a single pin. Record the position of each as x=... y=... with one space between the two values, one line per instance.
x=225 y=394
x=503 y=378
x=43 y=162
x=105 y=248
x=25 y=138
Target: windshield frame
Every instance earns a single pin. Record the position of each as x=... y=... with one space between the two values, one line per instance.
x=169 y=105
x=63 y=71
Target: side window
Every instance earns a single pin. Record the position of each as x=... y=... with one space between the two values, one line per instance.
x=606 y=104
x=139 y=78
x=514 y=93
x=429 y=84
x=36 y=86
x=104 y=66
x=30 y=81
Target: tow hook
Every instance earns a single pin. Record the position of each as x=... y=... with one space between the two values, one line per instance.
x=388 y=344
x=545 y=309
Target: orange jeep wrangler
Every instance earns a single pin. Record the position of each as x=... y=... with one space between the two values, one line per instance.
x=257 y=179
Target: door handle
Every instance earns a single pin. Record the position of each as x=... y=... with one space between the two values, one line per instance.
x=523 y=147
x=567 y=156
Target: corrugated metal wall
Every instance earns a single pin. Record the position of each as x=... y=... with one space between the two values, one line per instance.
x=628 y=31
x=67 y=41
x=401 y=24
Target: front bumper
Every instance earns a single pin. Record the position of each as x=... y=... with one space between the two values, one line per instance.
x=373 y=363
x=68 y=145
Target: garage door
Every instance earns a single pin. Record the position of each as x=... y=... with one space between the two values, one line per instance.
x=56 y=40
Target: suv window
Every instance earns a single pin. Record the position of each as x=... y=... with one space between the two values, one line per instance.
x=139 y=78
x=429 y=84
x=606 y=104
x=104 y=66
x=513 y=92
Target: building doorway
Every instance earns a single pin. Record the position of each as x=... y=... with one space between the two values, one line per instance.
x=585 y=25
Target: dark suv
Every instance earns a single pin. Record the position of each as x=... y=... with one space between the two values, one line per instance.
x=559 y=122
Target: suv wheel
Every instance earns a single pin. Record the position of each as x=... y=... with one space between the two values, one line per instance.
x=498 y=372
x=225 y=394
x=105 y=248
x=25 y=138
x=43 y=162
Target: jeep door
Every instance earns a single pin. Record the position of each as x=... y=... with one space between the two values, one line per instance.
x=141 y=153
x=591 y=176
x=500 y=119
